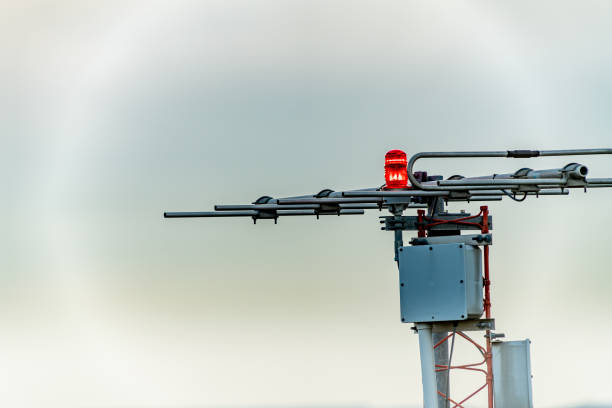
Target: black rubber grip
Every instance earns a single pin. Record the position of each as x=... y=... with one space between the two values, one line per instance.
x=523 y=153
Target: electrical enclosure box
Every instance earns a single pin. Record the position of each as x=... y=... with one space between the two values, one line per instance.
x=512 y=374
x=440 y=282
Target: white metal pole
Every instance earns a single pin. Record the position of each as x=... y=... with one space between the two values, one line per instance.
x=428 y=371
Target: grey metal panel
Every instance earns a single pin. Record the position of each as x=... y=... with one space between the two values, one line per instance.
x=473 y=281
x=512 y=374
x=440 y=283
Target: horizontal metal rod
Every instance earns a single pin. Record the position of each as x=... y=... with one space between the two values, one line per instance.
x=305 y=199
x=473 y=188
x=265 y=207
x=193 y=214
x=544 y=193
x=495 y=182
x=276 y=207
x=258 y=214
x=599 y=181
x=362 y=206
x=598 y=185
x=558 y=191
x=403 y=193
x=574 y=152
x=295 y=201
x=291 y=213
x=571 y=170
x=285 y=213
x=344 y=212
x=486 y=198
x=478 y=198
x=485 y=192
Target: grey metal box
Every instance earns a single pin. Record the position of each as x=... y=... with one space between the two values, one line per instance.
x=440 y=282
x=512 y=374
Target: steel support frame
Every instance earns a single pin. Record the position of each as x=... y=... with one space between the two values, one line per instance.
x=425 y=329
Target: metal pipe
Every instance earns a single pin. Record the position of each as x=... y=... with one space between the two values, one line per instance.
x=403 y=193
x=348 y=212
x=259 y=214
x=478 y=198
x=495 y=182
x=265 y=207
x=499 y=192
x=510 y=153
x=291 y=213
x=599 y=181
x=428 y=371
x=331 y=195
x=361 y=206
x=313 y=212
x=193 y=214
x=574 y=152
x=572 y=170
x=294 y=201
x=597 y=185
x=544 y=193
x=485 y=192
x=483 y=187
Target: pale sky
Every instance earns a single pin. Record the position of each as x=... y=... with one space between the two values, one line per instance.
x=113 y=112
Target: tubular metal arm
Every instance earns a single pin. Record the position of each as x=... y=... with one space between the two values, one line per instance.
x=504 y=182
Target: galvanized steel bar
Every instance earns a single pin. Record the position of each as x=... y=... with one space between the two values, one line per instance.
x=260 y=214
x=478 y=198
x=265 y=207
x=295 y=201
x=196 y=214
x=574 y=152
x=509 y=182
x=403 y=193
x=475 y=154
x=597 y=185
x=599 y=181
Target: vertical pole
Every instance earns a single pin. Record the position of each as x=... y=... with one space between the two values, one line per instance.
x=436 y=206
x=428 y=371
x=487 y=306
x=441 y=359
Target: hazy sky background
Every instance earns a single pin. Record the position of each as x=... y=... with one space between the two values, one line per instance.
x=112 y=112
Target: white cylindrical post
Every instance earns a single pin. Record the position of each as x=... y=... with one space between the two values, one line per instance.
x=428 y=370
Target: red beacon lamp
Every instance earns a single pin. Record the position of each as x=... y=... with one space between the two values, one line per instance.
x=396 y=173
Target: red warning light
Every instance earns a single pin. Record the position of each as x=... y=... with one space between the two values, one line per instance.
x=396 y=174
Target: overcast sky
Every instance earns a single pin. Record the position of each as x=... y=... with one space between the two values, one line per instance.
x=113 y=112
